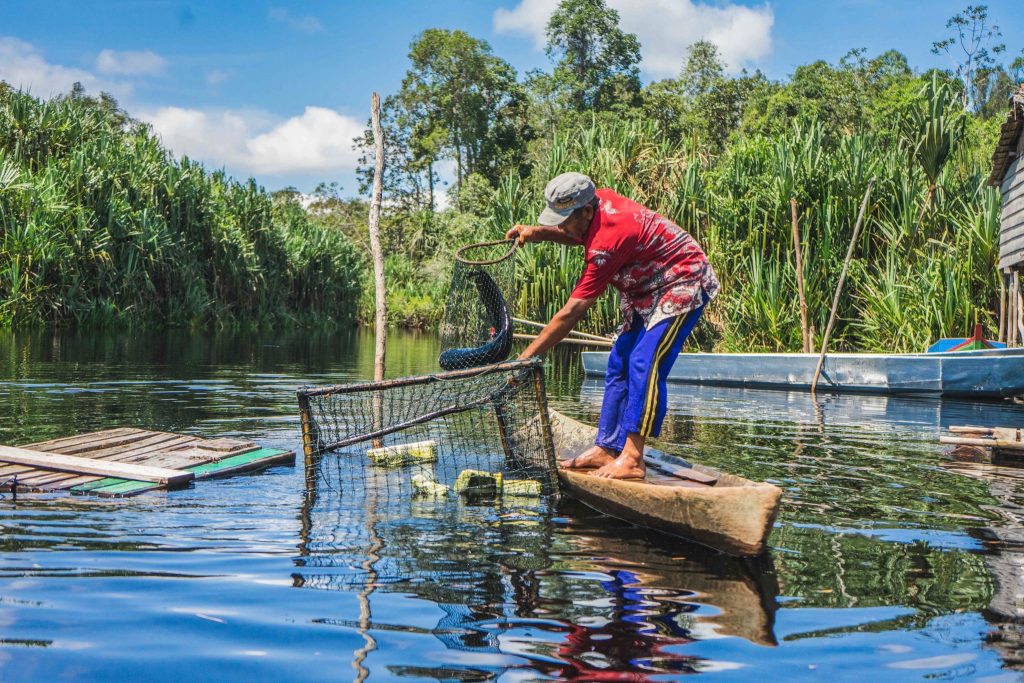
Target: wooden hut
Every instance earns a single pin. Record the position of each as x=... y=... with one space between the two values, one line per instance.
x=1008 y=175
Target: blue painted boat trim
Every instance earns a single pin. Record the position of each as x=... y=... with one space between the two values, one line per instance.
x=990 y=373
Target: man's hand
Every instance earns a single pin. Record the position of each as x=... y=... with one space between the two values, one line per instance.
x=556 y=330
x=522 y=233
x=541 y=233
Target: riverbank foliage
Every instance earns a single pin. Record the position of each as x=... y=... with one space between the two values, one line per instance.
x=721 y=154
x=99 y=224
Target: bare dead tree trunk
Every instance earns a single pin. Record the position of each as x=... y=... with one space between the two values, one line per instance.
x=805 y=328
x=381 y=317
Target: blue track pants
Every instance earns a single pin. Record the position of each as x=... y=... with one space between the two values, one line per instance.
x=634 y=384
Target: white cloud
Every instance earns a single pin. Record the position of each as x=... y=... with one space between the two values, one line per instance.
x=129 y=63
x=22 y=66
x=217 y=76
x=306 y=24
x=318 y=140
x=666 y=28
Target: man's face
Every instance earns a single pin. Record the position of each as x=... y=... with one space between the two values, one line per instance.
x=577 y=224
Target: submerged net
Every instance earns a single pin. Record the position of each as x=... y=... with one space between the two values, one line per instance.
x=468 y=436
x=476 y=328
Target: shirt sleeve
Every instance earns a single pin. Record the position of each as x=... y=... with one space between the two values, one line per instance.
x=598 y=273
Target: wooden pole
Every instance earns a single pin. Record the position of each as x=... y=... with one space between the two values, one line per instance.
x=381 y=318
x=798 y=249
x=1019 y=317
x=839 y=286
x=1011 y=311
x=1002 y=308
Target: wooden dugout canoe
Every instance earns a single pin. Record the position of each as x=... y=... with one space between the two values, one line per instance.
x=733 y=515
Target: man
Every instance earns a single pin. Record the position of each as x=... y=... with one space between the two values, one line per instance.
x=664 y=281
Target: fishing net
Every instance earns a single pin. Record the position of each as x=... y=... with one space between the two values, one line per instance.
x=467 y=436
x=476 y=328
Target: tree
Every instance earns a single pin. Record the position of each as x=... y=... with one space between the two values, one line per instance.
x=703 y=69
x=973 y=49
x=463 y=103
x=596 y=62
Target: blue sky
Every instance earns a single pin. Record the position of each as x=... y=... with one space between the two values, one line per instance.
x=278 y=89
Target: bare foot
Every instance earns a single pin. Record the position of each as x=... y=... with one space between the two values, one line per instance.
x=623 y=467
x=592 y=458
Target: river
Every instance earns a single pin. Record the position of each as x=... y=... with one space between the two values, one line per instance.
x=888 y=560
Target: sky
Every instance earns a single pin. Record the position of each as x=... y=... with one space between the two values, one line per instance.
x=278 y=90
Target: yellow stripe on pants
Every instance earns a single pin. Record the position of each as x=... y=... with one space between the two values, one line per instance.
x=651 y=401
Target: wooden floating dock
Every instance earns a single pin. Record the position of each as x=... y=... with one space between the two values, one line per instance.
x=1004 y=444
x=127 y=462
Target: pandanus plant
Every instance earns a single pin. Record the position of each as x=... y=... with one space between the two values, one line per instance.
x=935 y=128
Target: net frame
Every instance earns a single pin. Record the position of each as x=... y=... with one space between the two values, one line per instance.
x=483 y=283
x=526 y=376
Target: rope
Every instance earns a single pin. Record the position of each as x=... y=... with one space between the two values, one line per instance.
x=461 y=259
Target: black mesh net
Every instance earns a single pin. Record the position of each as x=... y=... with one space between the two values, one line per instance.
x=476 y=328
x=470 y=435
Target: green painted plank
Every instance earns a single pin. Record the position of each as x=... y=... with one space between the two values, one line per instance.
x=241 y=462
x=235 y=463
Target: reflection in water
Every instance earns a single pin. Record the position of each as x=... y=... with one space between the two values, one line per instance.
x=887 y=560
x=607 y=610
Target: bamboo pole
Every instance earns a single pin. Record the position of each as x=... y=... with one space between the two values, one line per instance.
x=839 y=286
x=604 y=343
x=805 y=330
x=541 y=326
x=381 y=318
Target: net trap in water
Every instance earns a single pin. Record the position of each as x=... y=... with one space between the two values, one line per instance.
x=475 y=434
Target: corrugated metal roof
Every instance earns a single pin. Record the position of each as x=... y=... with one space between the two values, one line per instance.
x=1006 y=148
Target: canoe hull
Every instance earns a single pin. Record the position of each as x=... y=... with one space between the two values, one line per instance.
x=995 y=373
x=734 y=516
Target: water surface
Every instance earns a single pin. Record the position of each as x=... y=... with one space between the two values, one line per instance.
x=888 y=560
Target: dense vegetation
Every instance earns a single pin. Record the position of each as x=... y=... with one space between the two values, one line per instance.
x=98 y=223
x=722 y=155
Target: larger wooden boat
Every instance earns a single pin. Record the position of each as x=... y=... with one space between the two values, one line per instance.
x=722 y=511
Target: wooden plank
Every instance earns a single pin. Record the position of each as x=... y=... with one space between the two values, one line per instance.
x=1012 y=204
x=69 y=441
x=1011 y=171
x=155 y=441
x=679 y=472
x=228 y=445
x=62 y=480
x=245 y=462
x=1012 y=183
x=71 y=463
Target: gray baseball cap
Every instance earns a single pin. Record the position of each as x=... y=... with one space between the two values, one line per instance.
x=565 y=194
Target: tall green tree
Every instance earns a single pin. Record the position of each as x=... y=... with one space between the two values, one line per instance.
x=463 y=104
x=596 y=62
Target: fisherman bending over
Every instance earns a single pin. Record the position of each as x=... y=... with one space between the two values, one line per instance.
x=664 y=281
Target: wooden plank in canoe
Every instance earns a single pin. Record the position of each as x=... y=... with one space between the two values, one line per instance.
x=244 y=462
x=77 y=465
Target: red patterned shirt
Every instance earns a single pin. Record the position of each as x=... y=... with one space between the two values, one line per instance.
x=658 y=268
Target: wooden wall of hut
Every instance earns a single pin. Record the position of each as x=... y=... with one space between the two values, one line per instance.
x=1008 y=174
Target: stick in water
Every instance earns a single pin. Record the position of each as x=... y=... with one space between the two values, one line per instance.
x=839 y=286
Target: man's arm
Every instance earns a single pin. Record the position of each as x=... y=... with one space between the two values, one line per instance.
x=561 y=325
x=541 y=233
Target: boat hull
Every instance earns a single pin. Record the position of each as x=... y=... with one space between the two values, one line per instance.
x=994 y=373
x=734 y=516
